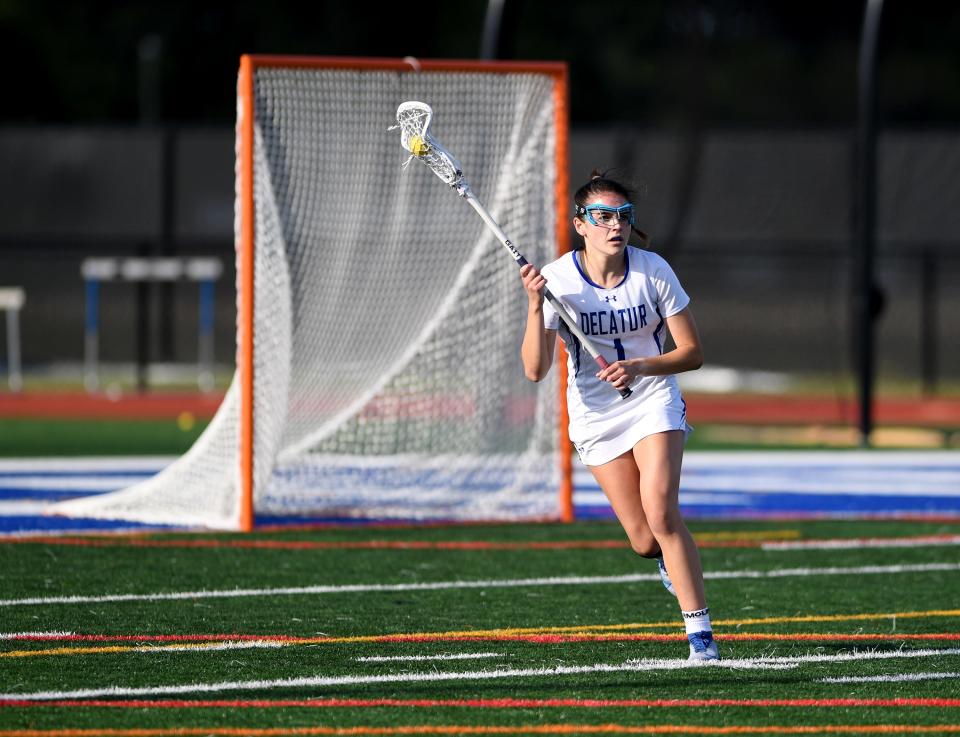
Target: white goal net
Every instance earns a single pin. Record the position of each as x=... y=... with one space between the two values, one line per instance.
x=386 y=319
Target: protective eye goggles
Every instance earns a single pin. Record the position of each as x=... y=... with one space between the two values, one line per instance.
x=606 y=216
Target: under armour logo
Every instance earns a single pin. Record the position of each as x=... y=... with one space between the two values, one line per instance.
x=610 y=298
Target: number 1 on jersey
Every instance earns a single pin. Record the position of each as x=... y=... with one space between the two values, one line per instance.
x=621 y=354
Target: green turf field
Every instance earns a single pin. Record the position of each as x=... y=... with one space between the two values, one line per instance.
x=26 y=438
x=509 y=629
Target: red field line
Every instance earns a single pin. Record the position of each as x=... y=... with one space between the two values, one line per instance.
x=487 y=730
x=768 y=517
x=78 y=406
x=731 y=408
x=480 y=545
x=320 y=545
x=505 y=637
x=360 y=545
x=646 y=637
x=734 y=409
x=926 y=703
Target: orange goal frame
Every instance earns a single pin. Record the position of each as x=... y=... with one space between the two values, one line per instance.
x=249 y=63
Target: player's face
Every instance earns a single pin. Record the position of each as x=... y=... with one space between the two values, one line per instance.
x=611 y=227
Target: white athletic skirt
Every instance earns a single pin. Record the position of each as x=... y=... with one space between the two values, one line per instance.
x=599 y=437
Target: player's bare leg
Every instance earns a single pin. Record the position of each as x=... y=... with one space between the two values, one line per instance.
x=659 y=458
x=620 y=481
x=652 y=471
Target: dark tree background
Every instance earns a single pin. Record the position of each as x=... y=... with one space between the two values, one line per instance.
x=647 y=62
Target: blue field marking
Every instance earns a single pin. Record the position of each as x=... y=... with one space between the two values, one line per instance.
x=802 y=505
x=58 y=486
x=734 y=484
x=804 y=483
x=40 y=524
x=29 y=486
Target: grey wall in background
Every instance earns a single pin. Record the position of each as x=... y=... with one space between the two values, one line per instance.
x=756 y=223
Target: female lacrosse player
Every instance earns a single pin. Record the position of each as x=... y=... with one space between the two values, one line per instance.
x=622 y=297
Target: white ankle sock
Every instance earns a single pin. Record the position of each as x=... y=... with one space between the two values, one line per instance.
x=697 y=621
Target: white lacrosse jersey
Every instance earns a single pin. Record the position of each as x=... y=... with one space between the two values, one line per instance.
x=626 y=321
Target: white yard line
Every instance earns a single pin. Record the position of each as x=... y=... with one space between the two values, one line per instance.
x=430 y=676
x=77 y=483
x=418 y=658
x=645 y=665
x=732 y=477
x=857 y=655
x=210 y=646
x=483 y=584
x=165 y=648
x=27 y=635
x=25 y=508
x=90 y=465
x=856 y=543
x=894 y=678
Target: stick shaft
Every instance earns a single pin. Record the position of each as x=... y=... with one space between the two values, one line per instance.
x=567 y=318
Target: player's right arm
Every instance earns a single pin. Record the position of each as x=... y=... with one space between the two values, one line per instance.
x=536 y=351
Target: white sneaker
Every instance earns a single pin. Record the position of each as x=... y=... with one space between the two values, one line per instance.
x=664 y=576
x=703 y=646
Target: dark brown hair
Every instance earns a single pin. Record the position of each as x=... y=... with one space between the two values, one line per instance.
x=598 y=184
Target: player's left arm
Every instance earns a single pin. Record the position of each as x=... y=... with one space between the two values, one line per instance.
x=688 y=352
x=686 y=356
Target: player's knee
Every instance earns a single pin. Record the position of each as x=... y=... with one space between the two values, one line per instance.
x=646 y=545
x=664 y=523
x=647 y=550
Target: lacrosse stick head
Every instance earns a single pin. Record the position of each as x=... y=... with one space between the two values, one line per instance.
x=413 y=120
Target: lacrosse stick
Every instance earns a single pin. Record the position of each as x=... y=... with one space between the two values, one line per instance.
x=413 y=120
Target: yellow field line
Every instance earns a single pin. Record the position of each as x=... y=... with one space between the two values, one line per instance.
x=107 y=649
x=69 y=651
x=722 y=536
x=590 y=636
x=739 y=622
x=584 y=630
x=840 y=617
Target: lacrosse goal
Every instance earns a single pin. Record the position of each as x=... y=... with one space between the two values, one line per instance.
x=379 y=325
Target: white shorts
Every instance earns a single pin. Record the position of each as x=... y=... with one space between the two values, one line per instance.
x=616 y=432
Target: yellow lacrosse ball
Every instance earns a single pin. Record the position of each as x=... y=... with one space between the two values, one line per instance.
x=418 y=147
